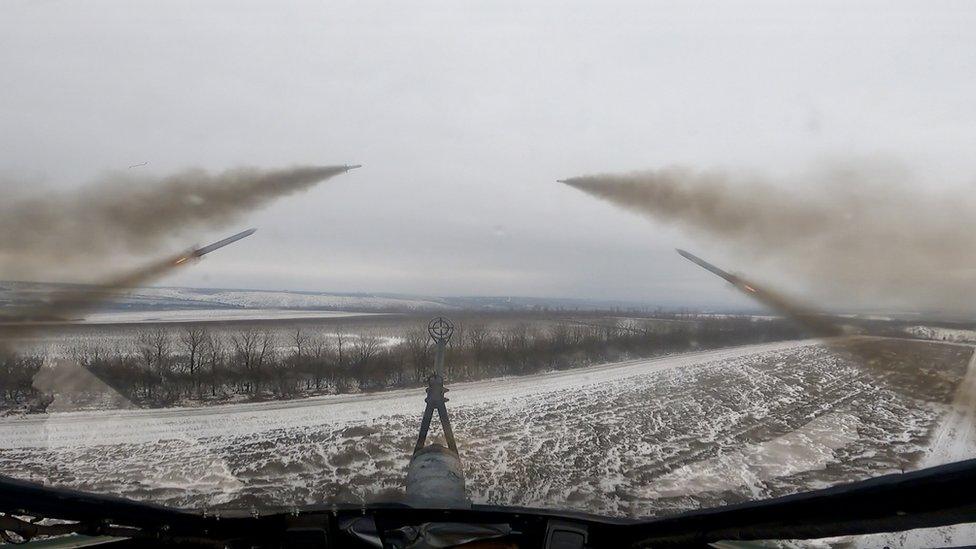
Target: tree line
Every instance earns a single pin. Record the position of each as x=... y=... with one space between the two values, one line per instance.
x=163 y=367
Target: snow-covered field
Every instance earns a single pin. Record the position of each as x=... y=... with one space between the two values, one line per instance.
x=210 y=315
x=23 y=293
x=943 y=334
x=259 y=299
x=953 y=439
x=202 y=298
x=635 y=438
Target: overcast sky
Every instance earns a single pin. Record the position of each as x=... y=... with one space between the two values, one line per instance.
x=465 y=113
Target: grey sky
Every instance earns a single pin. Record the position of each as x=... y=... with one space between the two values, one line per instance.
x=465 y=113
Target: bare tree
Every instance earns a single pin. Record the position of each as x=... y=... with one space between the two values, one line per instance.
x=339 y=366
x=17 y=373
x=478 y=340
x=248 y=356
x=398 y=365
x=192 y=339
x=156 y=346
x=366 y=346
x=268 y=348
x=340 y=338
x=215 y=353
x=155 y=349
x=319 y=360
x=300 y=354
x=302 y=341
x=418 y=345
x=515 y=344
x=285 y=370
x=88 y=353
x=559 y=334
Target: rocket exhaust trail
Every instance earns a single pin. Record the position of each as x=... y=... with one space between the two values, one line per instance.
x=67 y=304
x=126 y=212
x=856 y=235
x=816 y=323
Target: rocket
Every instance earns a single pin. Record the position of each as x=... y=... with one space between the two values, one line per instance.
x=200 y=252
x=221 y=243
x=736 y=281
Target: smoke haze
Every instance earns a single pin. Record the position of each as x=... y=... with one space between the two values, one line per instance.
x=121 y=214
x=858 y=236
x=75 y=302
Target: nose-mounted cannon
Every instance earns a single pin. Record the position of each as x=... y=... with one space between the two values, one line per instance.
x=435 y=476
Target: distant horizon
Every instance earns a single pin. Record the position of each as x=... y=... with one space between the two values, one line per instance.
x=723 y=308
x=593 y=304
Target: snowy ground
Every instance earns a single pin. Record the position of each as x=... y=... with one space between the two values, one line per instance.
x=953 y=439
x=944 y=334
x=634 y=438
x=205 y=315
x=291 y=300
x=21 y=293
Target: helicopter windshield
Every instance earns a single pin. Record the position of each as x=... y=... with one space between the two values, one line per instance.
x=206 y=302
